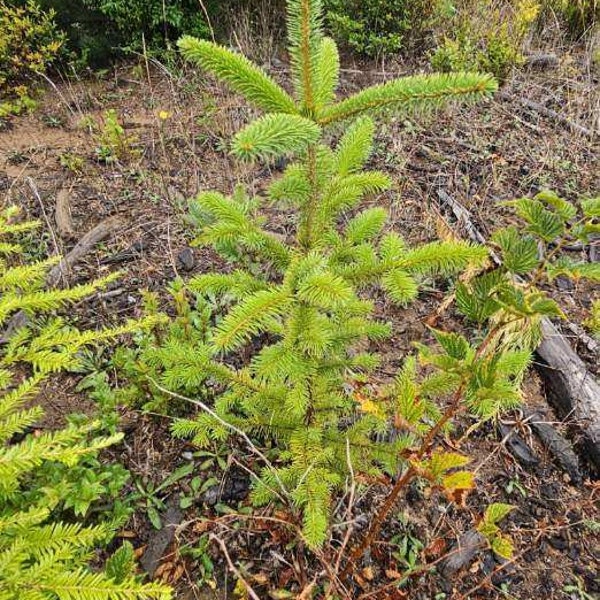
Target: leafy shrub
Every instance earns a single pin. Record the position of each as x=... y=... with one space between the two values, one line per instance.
x=579 y=16
x=486 y=36
x=379 y=27
x=92 y=40
x=593 y=321
x=49 y=478
x=154 y=22
x=29 y=43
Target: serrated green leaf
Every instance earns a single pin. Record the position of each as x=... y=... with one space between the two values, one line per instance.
x=497 y=511
x=503 y=546
x=544 y=223
x=519 y=252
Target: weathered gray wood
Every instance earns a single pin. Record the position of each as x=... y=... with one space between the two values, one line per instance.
x=58 y=274
x=547 y=112
x=560 y=448
x=62 y=214
x=571 y=388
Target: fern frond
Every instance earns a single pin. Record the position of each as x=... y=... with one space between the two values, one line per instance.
x=46 y=300
x=85 y=585
x=239 y=73
x=26 y=277
x=419 y=91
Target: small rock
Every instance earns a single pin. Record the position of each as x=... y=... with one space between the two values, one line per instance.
x=234 y=489
x=517 y=446
x=558 y=543
x=159 y=540
x=186 y=259
x=564 y=284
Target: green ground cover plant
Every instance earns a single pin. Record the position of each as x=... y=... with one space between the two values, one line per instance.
x=29 y=43
x=382 y=27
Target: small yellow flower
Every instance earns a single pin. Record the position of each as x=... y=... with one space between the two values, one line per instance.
x=163 y=115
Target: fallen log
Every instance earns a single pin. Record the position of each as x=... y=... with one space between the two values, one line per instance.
x=571 y=388
x=556 y=444
x=58 y=274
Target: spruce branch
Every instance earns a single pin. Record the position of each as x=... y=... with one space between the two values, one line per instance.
x=250 y=317
x=356 y=146
x=275 y=135
x=239 y=73
x=327 y=72
x=305 y=32
x=416 y=92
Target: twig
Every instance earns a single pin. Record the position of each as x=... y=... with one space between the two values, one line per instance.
x=233 y=568
x=349 y=508
x=487 y=580
x=36 y=193
x=547 y=112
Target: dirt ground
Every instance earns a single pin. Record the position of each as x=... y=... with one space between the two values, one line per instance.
x=179 y=126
